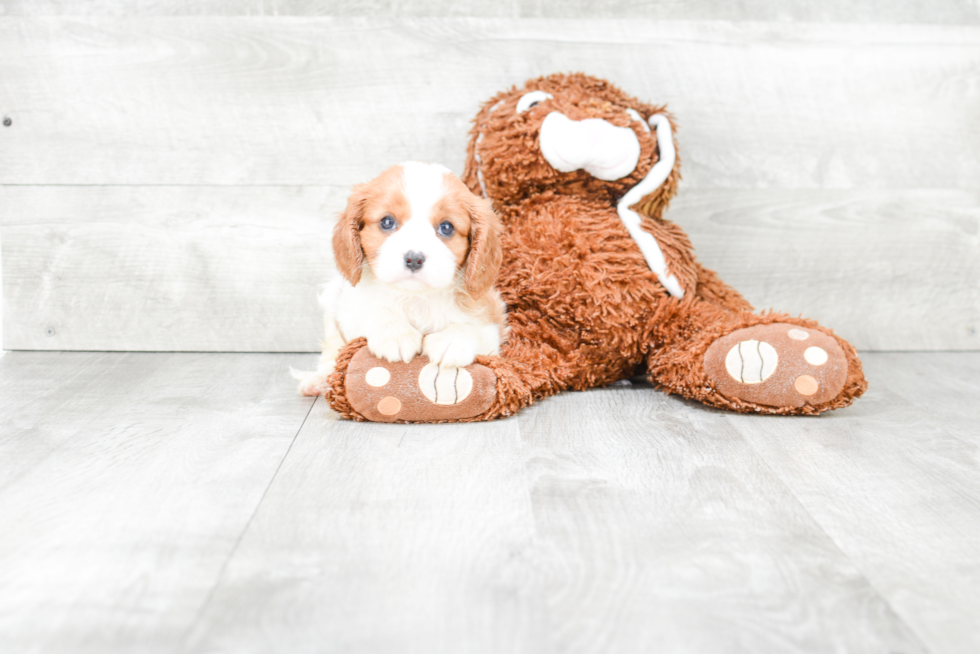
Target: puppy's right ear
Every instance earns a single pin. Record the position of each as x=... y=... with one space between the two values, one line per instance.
x=347 y=251
x=486 y=252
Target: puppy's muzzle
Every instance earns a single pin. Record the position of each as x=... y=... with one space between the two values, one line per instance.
x=414 y=260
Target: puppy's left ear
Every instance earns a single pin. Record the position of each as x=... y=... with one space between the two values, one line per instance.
x=486 y=253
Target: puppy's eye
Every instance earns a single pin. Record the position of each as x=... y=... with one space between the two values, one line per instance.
x=387 y=223
x=446 y=228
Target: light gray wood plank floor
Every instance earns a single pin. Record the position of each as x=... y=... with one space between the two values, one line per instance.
x=193 y=503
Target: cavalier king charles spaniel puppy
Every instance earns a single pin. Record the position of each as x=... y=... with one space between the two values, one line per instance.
x=417 y=254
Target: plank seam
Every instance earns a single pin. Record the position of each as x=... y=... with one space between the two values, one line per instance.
x=817 y=523
x=241 y=536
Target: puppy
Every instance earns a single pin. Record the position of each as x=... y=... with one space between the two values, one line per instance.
x=417 y=254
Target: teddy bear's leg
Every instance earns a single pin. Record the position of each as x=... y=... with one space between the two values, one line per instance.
x=770 y=363
x=712 y=290
x=363 y=387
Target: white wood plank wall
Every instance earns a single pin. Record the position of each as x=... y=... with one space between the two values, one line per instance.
x=955 y=12
x=169 y=177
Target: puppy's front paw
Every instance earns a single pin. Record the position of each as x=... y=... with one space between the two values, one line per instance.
x=450 y=348
x=395 y=342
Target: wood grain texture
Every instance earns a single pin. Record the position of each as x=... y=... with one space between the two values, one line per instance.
x=2 y=341
x=166 y=268
x=945 y=387
x=895 y=481
x=386 y=538
x=887 y=270
x=874 y=11
x=663 y=531
x=236 y=269
x=308 y=100
x=169 y=513
x=129 y=478
x=63 y=387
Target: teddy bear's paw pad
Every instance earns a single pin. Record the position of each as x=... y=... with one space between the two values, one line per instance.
x=418 y=391
x=446 y=386
x=778 y=365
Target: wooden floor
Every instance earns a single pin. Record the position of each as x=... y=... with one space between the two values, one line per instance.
x=193 y=503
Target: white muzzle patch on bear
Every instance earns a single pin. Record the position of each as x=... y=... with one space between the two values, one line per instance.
x=594 y=145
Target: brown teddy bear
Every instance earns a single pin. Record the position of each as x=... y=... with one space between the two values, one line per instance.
x=598 y=285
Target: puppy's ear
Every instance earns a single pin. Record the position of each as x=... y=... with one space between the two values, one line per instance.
x=483 y=260
x=347 y=251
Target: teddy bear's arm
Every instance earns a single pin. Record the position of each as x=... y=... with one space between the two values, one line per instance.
x=677 y=251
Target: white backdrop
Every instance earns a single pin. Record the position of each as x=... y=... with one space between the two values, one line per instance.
x=172 y=174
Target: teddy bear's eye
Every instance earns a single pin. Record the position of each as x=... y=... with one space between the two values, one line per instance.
x=528 y=100
x=446 y=228
x=387 y=223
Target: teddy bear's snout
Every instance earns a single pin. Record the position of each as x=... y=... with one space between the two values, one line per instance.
x=594 y=145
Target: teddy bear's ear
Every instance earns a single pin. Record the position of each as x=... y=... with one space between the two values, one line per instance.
x=486 y=253
x=347 y=252
x=472 y=176
x=471 y=173
x=656 y=199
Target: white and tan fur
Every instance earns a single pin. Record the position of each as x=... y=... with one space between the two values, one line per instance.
x=447 y=309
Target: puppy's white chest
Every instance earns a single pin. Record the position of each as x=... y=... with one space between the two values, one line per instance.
x=429 y=313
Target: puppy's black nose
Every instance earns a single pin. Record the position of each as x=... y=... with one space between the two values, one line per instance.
x=414 y=260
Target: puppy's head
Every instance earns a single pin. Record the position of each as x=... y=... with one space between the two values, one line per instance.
x=418 y=227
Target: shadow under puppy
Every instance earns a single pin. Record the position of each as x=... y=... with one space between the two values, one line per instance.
x=417 y=254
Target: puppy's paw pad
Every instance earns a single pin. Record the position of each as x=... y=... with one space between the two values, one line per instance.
x=778 y=364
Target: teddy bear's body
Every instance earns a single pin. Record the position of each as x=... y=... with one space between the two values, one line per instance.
x=580 y=296
x=591 y=299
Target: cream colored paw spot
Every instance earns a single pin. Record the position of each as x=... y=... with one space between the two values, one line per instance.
x=751 y=362
x=445 y=385
x=806 y=385
x=798 y=334
x=815 y=356
x=389 y=406
x=377 y=377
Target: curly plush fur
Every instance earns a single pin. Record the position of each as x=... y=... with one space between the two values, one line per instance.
x=584 y=307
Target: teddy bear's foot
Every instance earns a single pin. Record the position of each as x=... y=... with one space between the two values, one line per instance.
x=417 y=391
x=777 y=365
